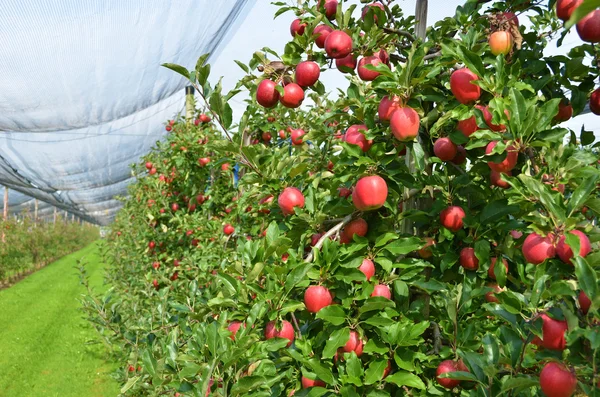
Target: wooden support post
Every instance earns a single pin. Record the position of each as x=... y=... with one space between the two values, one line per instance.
x=55 y=215
x=190 y=106
x=5 y=203
x=35 y=213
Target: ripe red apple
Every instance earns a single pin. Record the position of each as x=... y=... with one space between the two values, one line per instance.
x=565 y=253
x=468 y=260
x=234 y=327
x=357 y=226
x=149 y=165
x=382 y=290
x=501 y=42
x=338 y=44
x=320 y=34
x=168 y=128
x=370 y=193
x=553 y=334
x=556 y=380
x=565 y=111
x=307 y=73
x=282 y=134
x=354 y=344
x=462 y=87
x=174 y=207
x=297 y=28
x=444 y=149
x=536 y=249
x=293 y=95
x=426 y=252
x=461 y=155
x=452 y=218
x=564 y=8
x=495 y=179
x=346 y=64
x=584 y=302
x=509 y=162
x=306 y=383
x=317 y=297
x=588 y=28
x=296 y=136
x=152 y=171
x=447 y=366
x=384 y=56
x=290 y=198
x=368 y=268
x=493 y=267
x=266 y=94
x=366 y=9
x=286 y=331
x=228 y=229
x=354 y=136
x=224 y=167
x=330 y=8
x=487 y=115
x=491 y=296
x=204 y=118
x=468 y=126
x=387 y=107
x=204 y=161
x=363 y=72
x=595 y=101
x=344 y=192
x=405 y=124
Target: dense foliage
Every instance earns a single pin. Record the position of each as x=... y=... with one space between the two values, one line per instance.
x=28 y=246
x=352 y=250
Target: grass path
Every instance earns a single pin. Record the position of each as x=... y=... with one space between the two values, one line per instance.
x=43 y=335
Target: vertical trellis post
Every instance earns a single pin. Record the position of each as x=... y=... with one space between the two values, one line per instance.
x=5 y=211
x=55 y=211
x=35 y=213
x=190 y=106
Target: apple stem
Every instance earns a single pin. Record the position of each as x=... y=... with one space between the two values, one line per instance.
x=325 y=236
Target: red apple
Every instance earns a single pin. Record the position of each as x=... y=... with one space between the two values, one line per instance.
x=320 y=34
x=468 y=260
x=168 y=128
x=354 y=344
x=152 y=171
x=452 y=218
x=204 y=161
x=595 y=101
x=317 y=297
x=461 y=155
x=584 y=302
x=462 y=87
x=354 y=136
x=564 y=8
x=282 y=134
x=495 y=179
x=293 y=95
x=565 y=111
x=382 y=290
x=370 y=193
x=491 y=296
x=368 y=268
x=492 y=268
x=536 y=249
x=307 y=73
x=387 y=107
x=290 y=198
x=286 y=331
x=553 y=334
x=330 y=8
x=234 y=327
x=346 y=64
x=426 y=252
x=588 y=28
x=338 y=44
x=149 y=165
x=357 y=226
x=297 y=28
x=363 y=72
x=344 y=192
x=224 y=167
x=405 y=124
x=266 y=94
x=296 y=136
x=501 y=42
x=228 y=229
x=556 y=380
x=204 y=118
x=468 y=126
x=366 y=9
x=446 y=367
x=509 y=162
x=174 y=207
x=444 y=149
x=306 y=383
x=565 y=253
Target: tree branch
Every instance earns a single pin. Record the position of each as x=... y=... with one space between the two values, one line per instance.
x=402 y=33
x=433 y=55
x=329 y=233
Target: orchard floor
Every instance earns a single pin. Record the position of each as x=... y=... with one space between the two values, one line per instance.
x=44 y=340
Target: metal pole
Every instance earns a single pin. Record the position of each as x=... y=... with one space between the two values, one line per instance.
x=190 y=106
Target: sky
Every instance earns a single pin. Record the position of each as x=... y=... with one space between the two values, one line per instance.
x=259 y=29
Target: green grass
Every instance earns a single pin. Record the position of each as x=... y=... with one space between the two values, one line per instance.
x=44 y=348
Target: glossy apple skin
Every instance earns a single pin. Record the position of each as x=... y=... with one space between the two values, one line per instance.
x=564 y=8
x=349 y=61
x=233 y=328
x=557 y=381
x=367 y=267
x=266 y=94
x=382 y=290
x=565 y=112
x=445 y=367
x=496 y=180
x=228 y=230
x=468 y=260
x=387 y=107
x=363 y=72
x=297 y=28
x=296 y=136
x=509 y=162
x=553 y=334
x=320 y=33
x=354 y=136
x=307 y=73
x=491 y=296
x=595 y=101
x=565 y=253
x=338 y=44
x=293 y=95
x=500 y=42
x=306 y=383
x=354 y=344
x=461 y=155
x=462 y=87
x=536 y=248
x=357 y=226
x=290 y=198
x=492 y=268
x=404 y=124
x=286 y=331
x=370 y=193
x=584 y=302
x=317 y=297
x=444 y=149
x=452 y=218
x=589 y=27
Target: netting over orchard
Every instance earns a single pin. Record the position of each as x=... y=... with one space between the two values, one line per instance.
x=83 y=95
